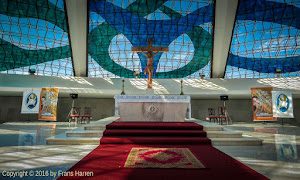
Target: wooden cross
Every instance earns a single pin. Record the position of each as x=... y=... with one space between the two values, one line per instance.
x=148 y=52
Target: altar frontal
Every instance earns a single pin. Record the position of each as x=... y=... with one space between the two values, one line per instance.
x=159 y=108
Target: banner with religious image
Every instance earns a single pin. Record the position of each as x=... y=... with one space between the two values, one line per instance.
x=262 y=104
x=48 y=104
x=31 y=101
x=282 y=104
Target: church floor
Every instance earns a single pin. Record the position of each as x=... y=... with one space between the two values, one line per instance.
x=23 y=147
x=269 y=159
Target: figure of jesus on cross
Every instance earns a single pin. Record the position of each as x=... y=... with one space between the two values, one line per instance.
x=150 y=52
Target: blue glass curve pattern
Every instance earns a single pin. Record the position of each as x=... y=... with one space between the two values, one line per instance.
x=34 y=35
x=164 y=21
x=265 y=40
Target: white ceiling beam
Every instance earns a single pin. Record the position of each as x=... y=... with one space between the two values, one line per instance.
x=225 y=12
x=77 y=18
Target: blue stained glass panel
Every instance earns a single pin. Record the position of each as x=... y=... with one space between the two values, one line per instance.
x=265 y=39
x=34 y=34
x=185 y=26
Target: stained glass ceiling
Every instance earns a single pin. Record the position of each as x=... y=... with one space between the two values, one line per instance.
x=183 y=26
x=266 y=40
x=35 y=35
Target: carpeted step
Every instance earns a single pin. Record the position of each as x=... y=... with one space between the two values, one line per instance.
x=106 y=161
x=155 y=125
x=155 y=140
x=155 y=132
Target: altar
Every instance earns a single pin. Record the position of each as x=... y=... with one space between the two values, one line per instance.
x=159 y=108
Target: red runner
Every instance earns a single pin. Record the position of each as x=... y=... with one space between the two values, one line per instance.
x=154 y=125
x=106 y=160
x=155 y=140
x=155 y=132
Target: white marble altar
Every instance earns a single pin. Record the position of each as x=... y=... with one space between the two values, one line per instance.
x=160 y=108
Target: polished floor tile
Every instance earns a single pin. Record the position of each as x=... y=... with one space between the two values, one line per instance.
x=277 y=158
x=23 y=147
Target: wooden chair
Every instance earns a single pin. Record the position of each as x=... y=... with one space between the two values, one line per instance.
x=223 y=115
x=211 y=115
x=86 y=115
x=75 y=115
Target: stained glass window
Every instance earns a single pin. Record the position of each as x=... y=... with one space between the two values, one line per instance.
x=185 y=26
x=266 y=40
x=34 y=35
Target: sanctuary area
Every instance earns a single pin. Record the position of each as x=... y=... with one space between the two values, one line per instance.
x=150 y=89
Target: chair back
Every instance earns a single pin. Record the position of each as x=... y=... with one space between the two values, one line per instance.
x=87 y=110
x=211 y=111
x=76 y=111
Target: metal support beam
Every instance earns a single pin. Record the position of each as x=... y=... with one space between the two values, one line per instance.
x=225 y=12
x=77 y=18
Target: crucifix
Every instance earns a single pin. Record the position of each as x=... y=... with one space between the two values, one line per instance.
x=150 y=52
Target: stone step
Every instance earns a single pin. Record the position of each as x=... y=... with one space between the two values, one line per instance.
x=212 y=128
x=73 y=141
x=99 y=133
x=96 y=141
x=95 y=127
x=103 y=127
x=223 y=134
x=236 y=141
x=85 y=133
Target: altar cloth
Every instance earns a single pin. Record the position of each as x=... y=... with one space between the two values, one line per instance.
x=160 y=108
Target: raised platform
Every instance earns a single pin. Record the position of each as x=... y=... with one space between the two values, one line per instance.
x=92 y=133
x=103 y=127
x=210 y=134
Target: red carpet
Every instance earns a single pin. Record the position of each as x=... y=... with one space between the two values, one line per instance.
x=156 y=132
x=154 y=125
x=107 y=159
x=154 y=140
